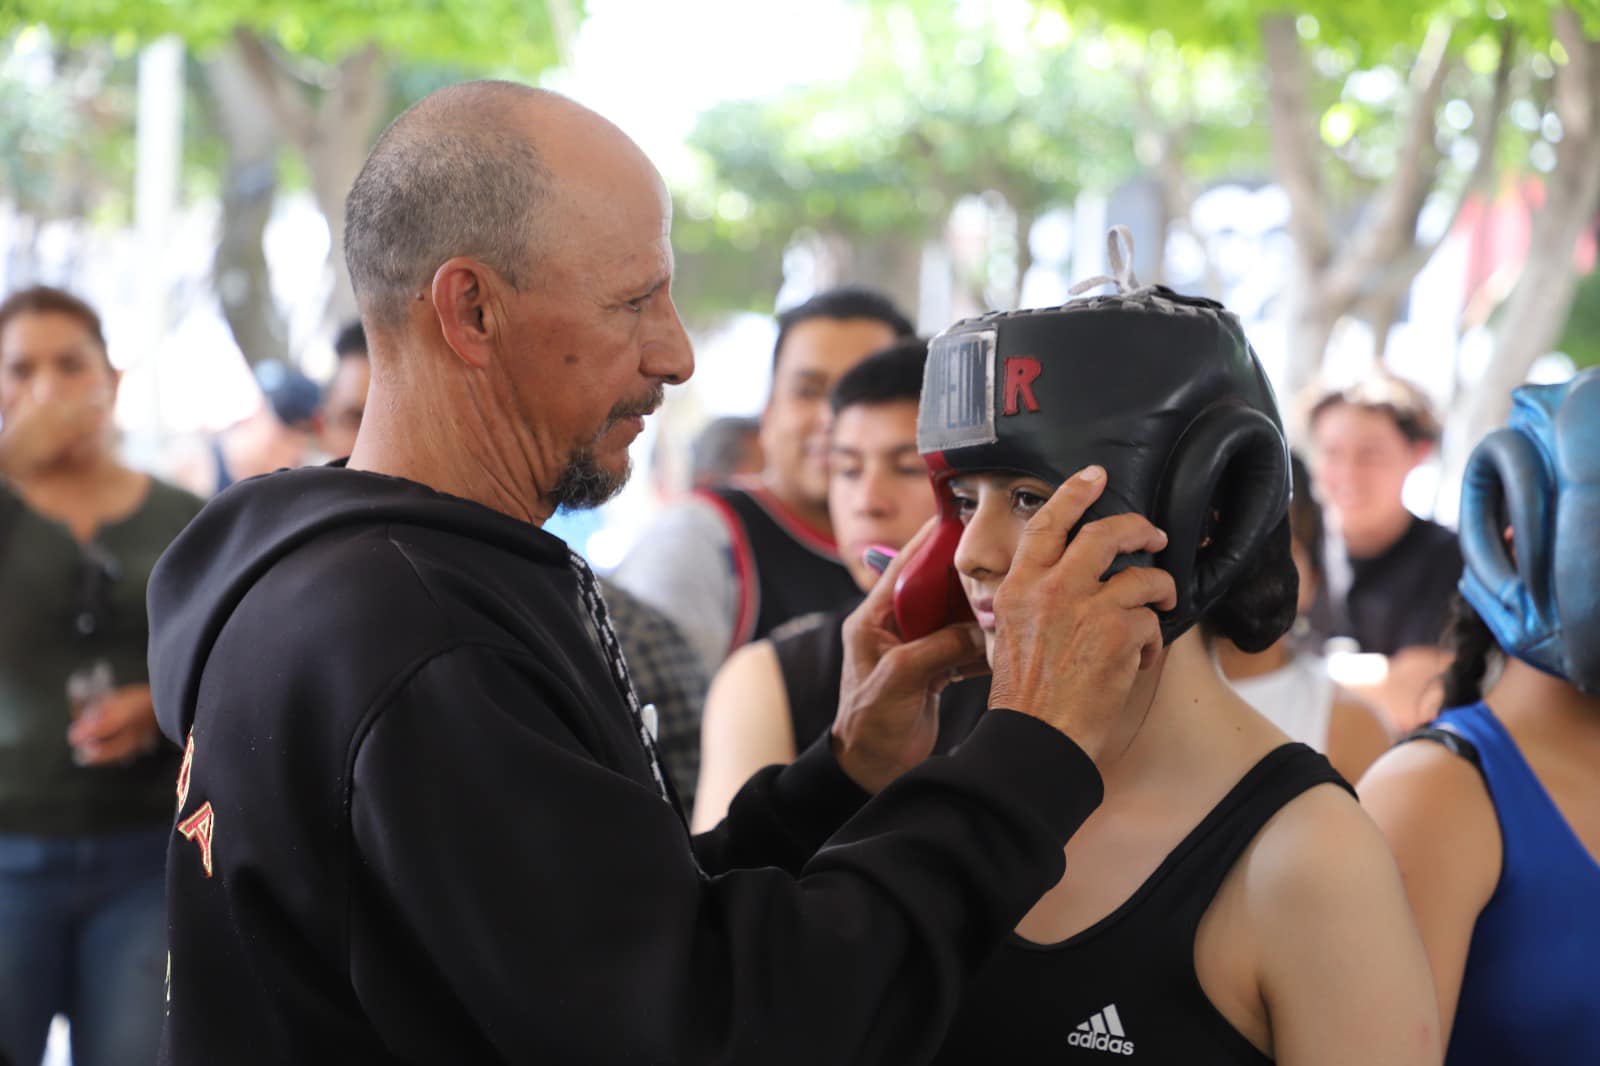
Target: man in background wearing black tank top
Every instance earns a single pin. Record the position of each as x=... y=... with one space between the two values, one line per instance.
x=730 y=564
x=774 y=697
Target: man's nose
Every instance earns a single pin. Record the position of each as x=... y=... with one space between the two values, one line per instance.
x=668 y=354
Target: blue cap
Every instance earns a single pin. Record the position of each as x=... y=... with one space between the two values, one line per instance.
x=294 y=398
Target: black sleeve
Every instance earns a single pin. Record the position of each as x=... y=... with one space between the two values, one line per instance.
x=563 y=907
x=783 y=814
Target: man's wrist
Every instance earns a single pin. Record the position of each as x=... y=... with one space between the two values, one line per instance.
x=871 y=774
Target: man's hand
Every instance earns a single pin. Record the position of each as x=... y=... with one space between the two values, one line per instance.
x=36 y=435
x=117 y=728
x=1067 y=645
x=888 y=714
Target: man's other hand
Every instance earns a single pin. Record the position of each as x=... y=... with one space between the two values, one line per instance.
x=1068 y=645
x=888 y=717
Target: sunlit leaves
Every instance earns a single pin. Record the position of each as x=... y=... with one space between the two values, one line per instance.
x=512 y=35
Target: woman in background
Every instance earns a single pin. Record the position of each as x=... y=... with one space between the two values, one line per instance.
x=86 y=783
x=1496 y=822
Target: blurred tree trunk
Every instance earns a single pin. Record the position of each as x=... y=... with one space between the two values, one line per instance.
x=893 y=266
x=1161 y=146
x=1531 y=319
x=250 y=185
x=332 y=132
x=1335 y=275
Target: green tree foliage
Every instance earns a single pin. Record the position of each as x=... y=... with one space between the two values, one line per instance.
x=485 y=35
x=1581 y=340
x=946 y=102
x=63 y=116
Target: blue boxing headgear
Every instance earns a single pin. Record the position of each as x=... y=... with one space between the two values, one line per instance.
x=1541 y=474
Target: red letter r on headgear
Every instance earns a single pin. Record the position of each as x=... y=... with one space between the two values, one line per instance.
x=1021 y=372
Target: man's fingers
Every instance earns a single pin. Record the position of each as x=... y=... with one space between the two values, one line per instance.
x=117 y=749
x=1044 y=538
x=1143 y=586
x=924 y=659
x=879 y=604
x=1099 y=543
x=1150 y=647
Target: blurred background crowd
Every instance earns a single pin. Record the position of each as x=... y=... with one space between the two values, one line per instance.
x=1401 y=201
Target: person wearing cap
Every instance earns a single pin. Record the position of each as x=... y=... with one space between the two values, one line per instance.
x=1495 y=819
x=278 y=434
x=1229 y=902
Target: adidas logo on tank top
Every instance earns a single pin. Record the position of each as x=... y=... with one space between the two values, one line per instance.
x=1102 y=1032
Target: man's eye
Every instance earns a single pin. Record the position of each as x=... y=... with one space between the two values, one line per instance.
x=1027 y=501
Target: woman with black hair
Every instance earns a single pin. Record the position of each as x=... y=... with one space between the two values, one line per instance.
x=1229 y=902
x=1496 y=825
x=85 y=778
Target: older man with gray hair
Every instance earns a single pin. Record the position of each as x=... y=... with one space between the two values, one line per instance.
x=420 y=814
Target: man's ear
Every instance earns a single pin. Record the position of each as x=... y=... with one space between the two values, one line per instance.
x=1421 y=451
x=462 y=295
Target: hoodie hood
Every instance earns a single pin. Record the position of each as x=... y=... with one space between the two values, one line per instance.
x=209 y=568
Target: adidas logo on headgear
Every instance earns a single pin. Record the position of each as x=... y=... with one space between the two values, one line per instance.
x=1102 y=1032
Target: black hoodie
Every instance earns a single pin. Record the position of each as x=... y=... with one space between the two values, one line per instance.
x=417 y=823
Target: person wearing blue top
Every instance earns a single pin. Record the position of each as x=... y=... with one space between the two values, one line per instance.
x=1497 y=826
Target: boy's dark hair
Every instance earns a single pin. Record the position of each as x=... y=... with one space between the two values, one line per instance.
x=1386 y=394
x=845 y=302
x=886 y=376
x=48 y=300
x=352 y=340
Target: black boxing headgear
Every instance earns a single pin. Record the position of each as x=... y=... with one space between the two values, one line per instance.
x=1161 y=390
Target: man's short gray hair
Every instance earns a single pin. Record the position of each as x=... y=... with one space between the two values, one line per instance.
x=452 y=176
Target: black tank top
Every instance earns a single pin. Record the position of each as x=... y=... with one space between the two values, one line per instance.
x=1125 y=989
x=785 y=570
x=810 y=652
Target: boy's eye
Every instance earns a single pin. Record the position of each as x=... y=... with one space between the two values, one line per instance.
x=964 y=507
